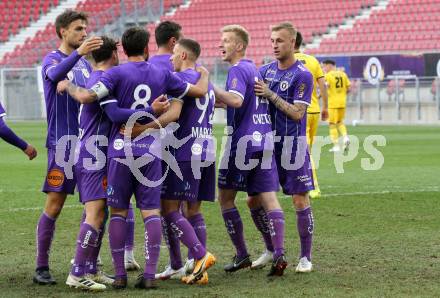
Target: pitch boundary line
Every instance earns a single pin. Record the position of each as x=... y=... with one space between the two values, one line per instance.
x=383 y=192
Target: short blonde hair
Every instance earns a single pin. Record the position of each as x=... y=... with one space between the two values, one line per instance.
x=285 y=25
x=240 y=32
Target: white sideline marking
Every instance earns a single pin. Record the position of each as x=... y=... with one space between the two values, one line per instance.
x=358 y=193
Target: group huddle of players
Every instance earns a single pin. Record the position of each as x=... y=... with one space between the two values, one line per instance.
x=89 y=111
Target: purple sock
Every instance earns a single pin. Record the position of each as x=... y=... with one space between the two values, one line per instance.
x=45 y=232
x=234 y=226
x=262 y=223
x=129 y=241
x=183 y=229
x=173 y=244
x=305 y=224
x=152 y=245
x=117 y=230
x=276 y=225
x=86 y=242
x=198 y=223
x=92 y=266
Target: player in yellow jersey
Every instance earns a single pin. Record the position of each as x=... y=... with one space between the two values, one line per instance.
x=313 y=111
x=338 y=85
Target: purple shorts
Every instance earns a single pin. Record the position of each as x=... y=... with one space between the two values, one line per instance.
x=190 y=189
x=92 y=184
x=122 y=184
x=56 y=180
x=295 y=181
x=254 y=181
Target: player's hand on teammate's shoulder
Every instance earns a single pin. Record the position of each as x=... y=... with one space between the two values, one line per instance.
x=160 y=105
x=89 y=45
x=202 y=70
x=30 y=151
x=261 y=89
x=62 y=86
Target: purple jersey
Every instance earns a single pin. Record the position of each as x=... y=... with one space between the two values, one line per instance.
x=62 y=109
x=295 y=85
x=196 y=121
x=93 y=122
x=162 y=61
x=2 y=111
x=252 y=119
x=135 y=85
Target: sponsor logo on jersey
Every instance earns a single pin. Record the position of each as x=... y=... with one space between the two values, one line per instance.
x=55 y=178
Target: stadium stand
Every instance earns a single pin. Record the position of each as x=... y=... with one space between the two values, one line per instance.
x=405 y=25
x=202 y=20
x=103 y=11
x=24 y=12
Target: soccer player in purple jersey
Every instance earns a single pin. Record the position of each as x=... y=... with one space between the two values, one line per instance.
x=194 y=119
x=62 y=119
x=91 y=173
x=288 y=86
x=248 y=120
x=134 y=84
x=167 y=34
x=9 y=136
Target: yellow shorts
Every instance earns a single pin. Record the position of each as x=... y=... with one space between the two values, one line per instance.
x=312 y=126
x=336 y=116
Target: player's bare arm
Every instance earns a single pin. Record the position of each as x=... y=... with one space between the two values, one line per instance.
x=168 y=112
x=82 y=95
x=293 y=111
x=228 y=98
x=324 y=97
x=89 y=45
x=201 y=88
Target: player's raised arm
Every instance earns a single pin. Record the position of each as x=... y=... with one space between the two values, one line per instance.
x=58 y=71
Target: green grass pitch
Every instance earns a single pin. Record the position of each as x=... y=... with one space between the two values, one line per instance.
x=376 y=235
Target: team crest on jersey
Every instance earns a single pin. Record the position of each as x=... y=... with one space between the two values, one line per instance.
x=55 y=178
x=234 y=83
x=85 y=73
x=284 y=85
x=70 y=75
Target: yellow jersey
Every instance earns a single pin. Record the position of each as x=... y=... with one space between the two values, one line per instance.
x=312 y=65
x=338 y=85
